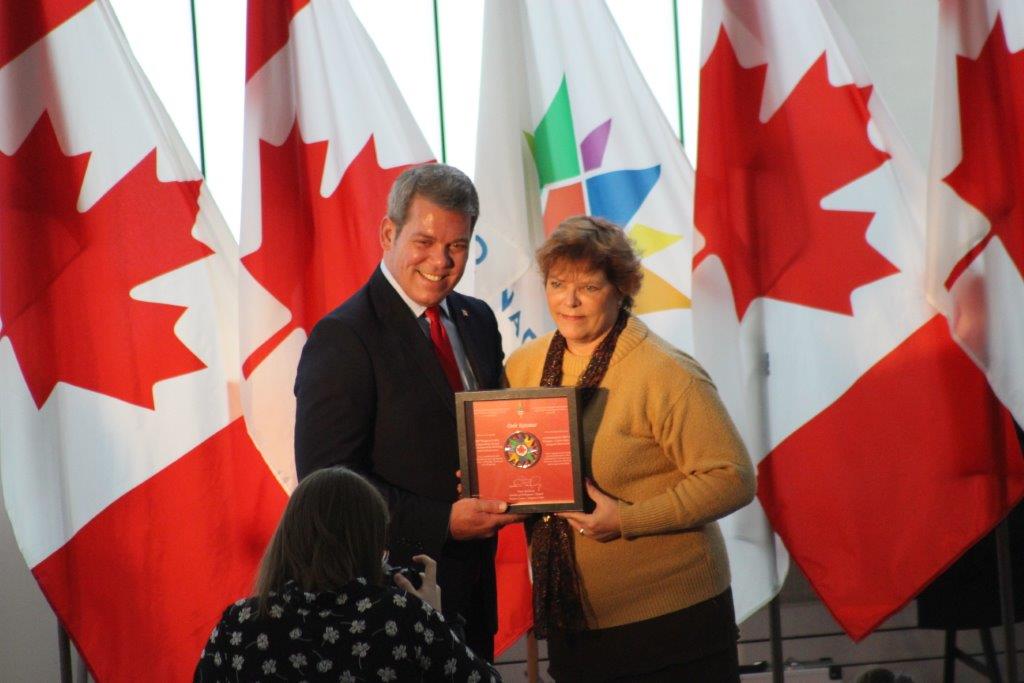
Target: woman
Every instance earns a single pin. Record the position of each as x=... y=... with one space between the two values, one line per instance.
x=322 y=611
x=637 y=589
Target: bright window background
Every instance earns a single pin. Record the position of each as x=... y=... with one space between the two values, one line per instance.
x=403 y=30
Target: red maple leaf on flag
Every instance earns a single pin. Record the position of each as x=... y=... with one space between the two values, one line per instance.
x=26 y=22
x=990 y=175
x=315 y=251
x=760 y=185
x=65 y=274
x=267 y=23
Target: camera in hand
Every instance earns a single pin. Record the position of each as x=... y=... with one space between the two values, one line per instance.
x=408 y=572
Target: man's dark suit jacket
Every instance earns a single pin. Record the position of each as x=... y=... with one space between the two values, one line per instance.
x=372 y=396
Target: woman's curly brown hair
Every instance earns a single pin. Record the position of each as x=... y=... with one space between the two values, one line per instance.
x=594 y=244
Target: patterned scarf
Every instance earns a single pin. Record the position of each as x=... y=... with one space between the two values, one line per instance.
x=557 y=597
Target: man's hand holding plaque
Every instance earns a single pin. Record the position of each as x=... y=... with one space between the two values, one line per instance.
x=521 y=446
x=478 y=518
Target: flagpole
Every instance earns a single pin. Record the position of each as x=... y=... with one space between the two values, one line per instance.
x=775 y=638
x=440 y=89
x=775 y=606
x=679 y=74
x=1003 y=559
x=64 y=650
x=199 y=90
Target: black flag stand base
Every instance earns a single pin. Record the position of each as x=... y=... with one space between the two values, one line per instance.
x=68 y=669
x=1006 y=598
x=64 y=648
x=775 y=636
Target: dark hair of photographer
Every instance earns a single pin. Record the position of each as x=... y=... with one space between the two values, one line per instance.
x=333 y=530
x=324 y=607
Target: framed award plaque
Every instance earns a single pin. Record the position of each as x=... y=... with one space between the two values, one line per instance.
x=521 y=446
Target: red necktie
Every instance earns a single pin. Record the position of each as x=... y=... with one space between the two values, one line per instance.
x=443 y=348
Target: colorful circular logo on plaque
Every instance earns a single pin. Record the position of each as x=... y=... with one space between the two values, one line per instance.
x=522 y=450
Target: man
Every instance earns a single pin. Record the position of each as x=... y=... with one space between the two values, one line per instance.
x=376 y=382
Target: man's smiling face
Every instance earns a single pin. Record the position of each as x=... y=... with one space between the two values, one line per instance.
x=428 y=254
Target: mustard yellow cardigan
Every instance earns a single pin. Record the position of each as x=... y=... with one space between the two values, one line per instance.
x=659 y=440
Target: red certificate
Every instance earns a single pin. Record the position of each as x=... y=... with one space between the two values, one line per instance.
x=521 y=446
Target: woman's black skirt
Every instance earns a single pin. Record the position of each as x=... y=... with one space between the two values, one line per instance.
x=702 y=635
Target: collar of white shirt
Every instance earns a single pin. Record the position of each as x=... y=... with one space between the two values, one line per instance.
x=417 y=309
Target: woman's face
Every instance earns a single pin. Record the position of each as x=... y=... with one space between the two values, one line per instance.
x=583 y=303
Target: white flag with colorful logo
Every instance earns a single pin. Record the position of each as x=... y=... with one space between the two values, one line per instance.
x=569 y=126
x=811 y=316
x=976 y=194
x=326 y=133
x=138 y=500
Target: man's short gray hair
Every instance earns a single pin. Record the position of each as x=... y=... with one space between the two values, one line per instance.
x=444 y=185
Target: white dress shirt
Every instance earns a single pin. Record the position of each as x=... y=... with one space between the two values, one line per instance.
x=418 y=310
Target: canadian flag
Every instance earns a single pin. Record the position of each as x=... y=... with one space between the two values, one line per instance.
x=882 y=455
x=136 y=496
x=976 y=191
x=326 y=134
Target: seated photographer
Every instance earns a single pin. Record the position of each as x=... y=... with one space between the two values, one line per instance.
x=324 y=608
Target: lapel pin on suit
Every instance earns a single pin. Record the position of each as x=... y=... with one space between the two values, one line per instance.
x=465 y=313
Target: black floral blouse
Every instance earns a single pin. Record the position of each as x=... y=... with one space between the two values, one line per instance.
x=361 y=633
